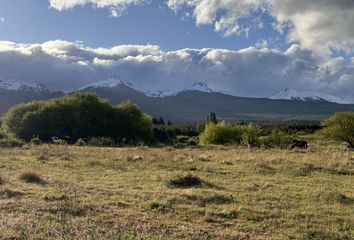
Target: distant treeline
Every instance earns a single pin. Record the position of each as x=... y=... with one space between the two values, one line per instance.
x=85 y=117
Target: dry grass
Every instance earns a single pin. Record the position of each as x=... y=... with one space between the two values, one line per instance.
x=99 y=193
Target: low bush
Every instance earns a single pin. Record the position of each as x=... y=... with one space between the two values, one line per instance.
x=221 y=133
x=182 y=139
x=8 y=193
x=31 y=177
x=193 y=141
x=276 y=139
x=101 y=142
x=11 y=143
x=36 y=141
x=3 y=135
x=250 y=133
x=186 y=181
x=71 y=207
x=80 y=142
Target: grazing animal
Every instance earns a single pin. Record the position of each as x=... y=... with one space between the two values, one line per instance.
x=254 y=144
x=299 y=144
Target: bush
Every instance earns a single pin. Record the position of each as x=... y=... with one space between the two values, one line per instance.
x=80 y=142
x=82 y=115
x=193 y=141
x=186 y=182
x=11 y=143
x=3 y=135
x=36 y=141
x=221 y=133
x=101 y=142
x=31 y=177
x=250 y=133
x=8 y=141
x=276 y=139
x=339 y=127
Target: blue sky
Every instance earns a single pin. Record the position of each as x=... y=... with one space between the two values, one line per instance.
x=153 y=23
x=254 y=48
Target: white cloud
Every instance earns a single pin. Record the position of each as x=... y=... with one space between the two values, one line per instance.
x=117 y=7
x=2 y=20
x=322 y=25
x=247 y=72
x=316 y=24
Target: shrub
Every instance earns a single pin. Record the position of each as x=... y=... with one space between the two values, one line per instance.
x=3 y=135
x=221 y=133
x=193 y=141
x=182 y=139
x=211 y=118
x=8 y=141
x=186 y=181
x=276 y=139
x=101 y=142
x=36 y=141
x=250 y=133
x=58 y=141
x=31 y=177
x=339 y=127
x=11 y=143
x=71 y=207
x=80 y=142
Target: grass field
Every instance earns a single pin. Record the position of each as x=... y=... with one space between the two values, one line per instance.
x=67 y=192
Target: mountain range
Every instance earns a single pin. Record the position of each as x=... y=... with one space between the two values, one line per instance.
x=191 y=103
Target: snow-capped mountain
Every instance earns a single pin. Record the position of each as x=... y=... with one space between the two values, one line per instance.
x=114 y=82
x=21 y=85
x=199 y=87
x=305 y=96
x=108 y=83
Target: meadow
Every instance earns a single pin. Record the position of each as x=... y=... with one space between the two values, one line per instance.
x=213 y=192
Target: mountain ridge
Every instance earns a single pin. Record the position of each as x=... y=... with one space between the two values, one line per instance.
x=192 y=103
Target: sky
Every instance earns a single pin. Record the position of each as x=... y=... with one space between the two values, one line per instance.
x=240 y=47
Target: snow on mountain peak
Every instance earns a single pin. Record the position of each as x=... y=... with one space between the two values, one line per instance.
x=111 y=82
x=291 y=94
x=22 y=85
x=115 y=82
x=198 y=86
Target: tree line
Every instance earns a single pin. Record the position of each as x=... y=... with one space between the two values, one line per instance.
x=85 y=117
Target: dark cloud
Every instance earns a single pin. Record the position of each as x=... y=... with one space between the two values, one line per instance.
x=247 y=72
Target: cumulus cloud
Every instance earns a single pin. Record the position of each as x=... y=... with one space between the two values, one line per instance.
x=323 y=25
x=248 y=72
x=317 y=24
x=2 y=20
x=117 y=7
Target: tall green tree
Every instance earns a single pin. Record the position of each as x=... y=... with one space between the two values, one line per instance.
x=340 y=127
x=211 y=118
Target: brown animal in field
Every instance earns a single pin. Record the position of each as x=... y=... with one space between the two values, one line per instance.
x=254 y=144
x=299 y=144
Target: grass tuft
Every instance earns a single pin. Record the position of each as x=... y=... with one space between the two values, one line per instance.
x=31 y=177
x=186 y=181
x=7 y=193
x=2 y=180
